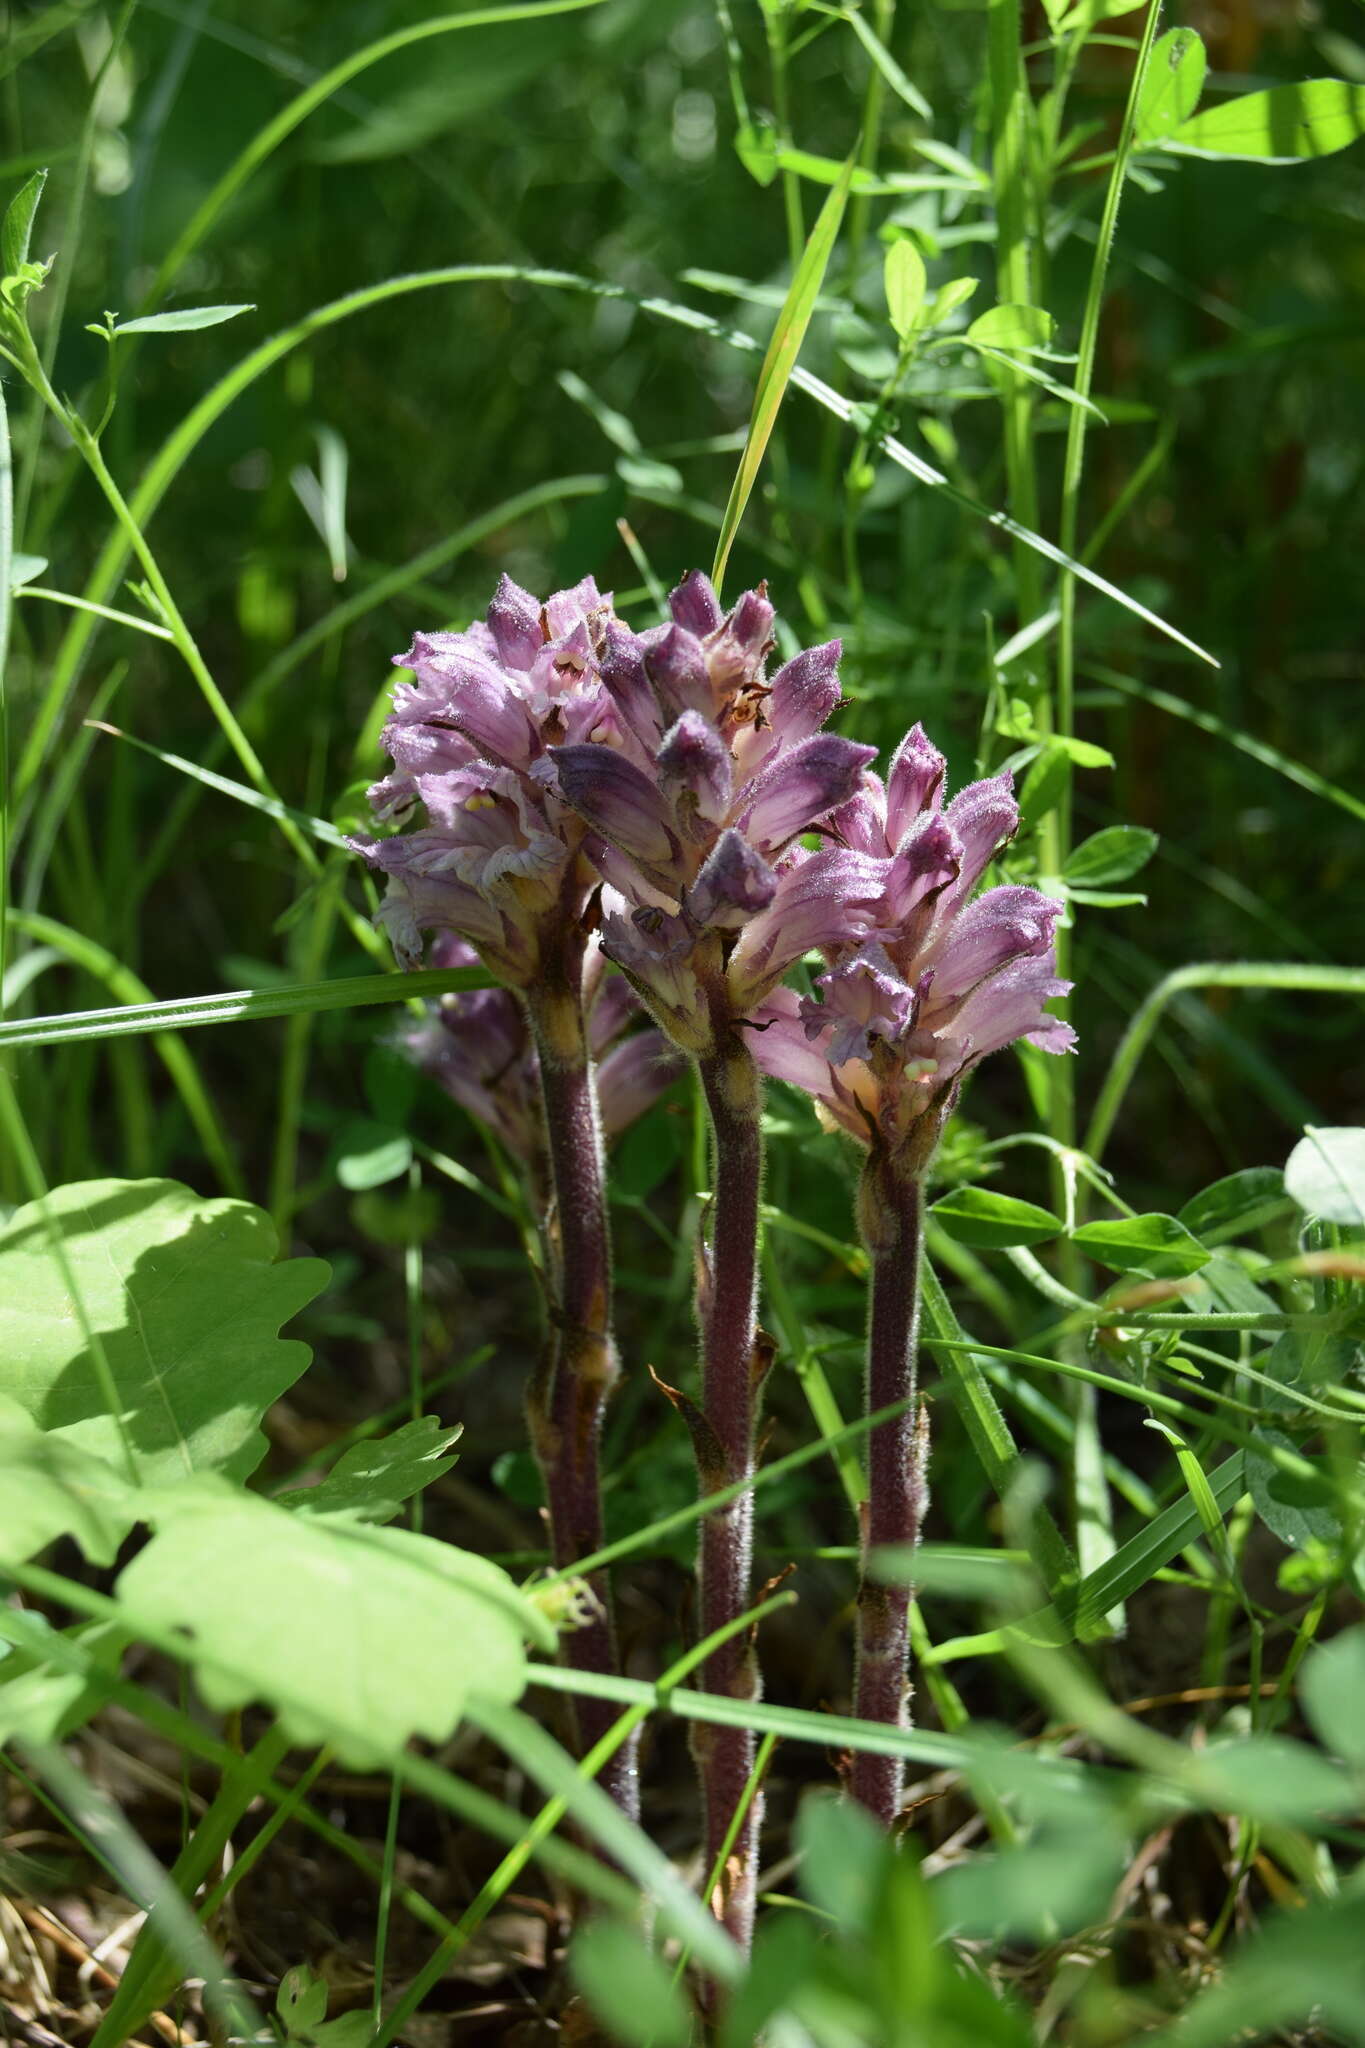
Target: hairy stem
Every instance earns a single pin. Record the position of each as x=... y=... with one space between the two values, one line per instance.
x=891 y=1213
x=569 y=1399
x=733 y=1361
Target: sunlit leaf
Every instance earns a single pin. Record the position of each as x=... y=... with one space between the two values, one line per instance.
x=16 y=230
x=1013 y=327
x=185 y=1298
x=1172 y=85
x=357 y=1637
x=51 y=1487
x=1285 y=125
x=185 y=321
x=905 y=281
x=1143 y=1244
x=1114 y=855
x=979 y=1216
x=1325 y=1174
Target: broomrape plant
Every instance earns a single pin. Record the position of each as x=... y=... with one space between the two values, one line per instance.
x=660 y=787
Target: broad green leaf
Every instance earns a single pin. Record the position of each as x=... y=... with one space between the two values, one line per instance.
x=1017 y=327
x=1332 y=1688
x=372 y=1480
x=370 y=1154
x=1114 y=855
x=1325 y=1174
x=784 y=1959
x=41 y=1702
x=1084 y=753
x=1155 y=1244
x=1059 y=1880
x=1236 y=1204
x=1298 y=1510
x=843 y=1853
x=905 y=281
x=630 y=1988
x=1271 y=1778
x=1285 y=125
x=301 y=2000
x=185 y=321
x=1172 y=85
x=185 y=1298
x=1310 y=1358
x=780 y=360
x=357 y=1637
x=981 y=1217
x=16 y=230
x=51 y=1487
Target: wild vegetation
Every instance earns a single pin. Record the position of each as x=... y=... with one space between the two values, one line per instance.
x=777 y=1109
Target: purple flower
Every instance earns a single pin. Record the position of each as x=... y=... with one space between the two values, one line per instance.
x=499 y=861
x=937 y=980
x=694 y=820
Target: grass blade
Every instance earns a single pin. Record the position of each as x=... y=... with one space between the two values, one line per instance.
x=236 y=1006
x=780 y=360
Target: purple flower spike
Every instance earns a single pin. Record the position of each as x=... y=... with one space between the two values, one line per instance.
x=736 y=651
x=628 y=685
x=631 y=1078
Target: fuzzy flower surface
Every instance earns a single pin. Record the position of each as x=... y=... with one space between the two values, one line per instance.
x=477 y=1046
x=946 y=978
x=695 y=797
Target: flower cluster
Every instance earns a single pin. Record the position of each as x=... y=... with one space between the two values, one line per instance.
x=552 y=736
x=945 y=979
x=477 y=1046
x=498 y=863
x=552 y=747
x=708 y=896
